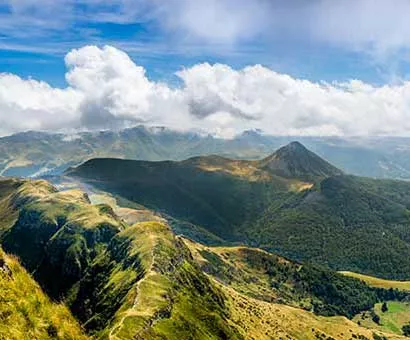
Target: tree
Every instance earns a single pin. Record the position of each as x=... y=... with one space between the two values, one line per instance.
x=384 y=307
x=406 y=330
x=376 y=319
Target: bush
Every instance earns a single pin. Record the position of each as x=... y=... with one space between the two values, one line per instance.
x=406 y=330
x=376 y=319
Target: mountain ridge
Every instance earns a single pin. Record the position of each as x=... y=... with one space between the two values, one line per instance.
x=142 y=281
x=35 y=154
x=304 y=218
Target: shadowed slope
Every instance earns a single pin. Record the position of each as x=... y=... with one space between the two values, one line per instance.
x=295 y=161
x=293 y=203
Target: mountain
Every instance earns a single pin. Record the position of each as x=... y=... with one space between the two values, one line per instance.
x=36 y=154
x=292 y=202
x=211 y=191
x=295 y=161
x=124 y=274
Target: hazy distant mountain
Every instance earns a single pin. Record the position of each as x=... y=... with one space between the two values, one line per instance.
x=38 y=153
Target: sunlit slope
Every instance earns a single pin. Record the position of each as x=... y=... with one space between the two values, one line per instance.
x=271 y=278
x=380 y=283
x=392 y=320
x=176 y=300
x=262 y=320
x=126 y=280
x=25 y=310
x=118 y=280
x=173 y=299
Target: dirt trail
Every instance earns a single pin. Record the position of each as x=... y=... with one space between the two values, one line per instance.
x=132 y=310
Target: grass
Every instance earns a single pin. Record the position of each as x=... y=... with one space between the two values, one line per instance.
x=271 y=278
x=141 y=281
x=27 y=313
x=173 y=299
x=257 y=319
x=392 y=321
x=379 y=283
x=148 y=296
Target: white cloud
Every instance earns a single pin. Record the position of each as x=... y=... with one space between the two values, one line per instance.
x=379 y=28
x=107 y=89
x=280 y=104
x=381 y=25
x=31 y=104
x=216 y=21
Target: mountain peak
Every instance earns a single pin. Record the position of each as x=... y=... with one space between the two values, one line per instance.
x=294 y=160
x=292 y=147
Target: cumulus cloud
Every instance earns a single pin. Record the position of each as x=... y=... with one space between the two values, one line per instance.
x=280 y=104
x=31 y=104
x=106 y=89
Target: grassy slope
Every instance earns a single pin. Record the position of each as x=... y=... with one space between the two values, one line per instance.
x=142 y=281
x=79 y=253
x=271 y=278
x=251 y=295
x=379 y=283
x=398 y=313
x=56 y=235
x=174 y=300
x=26 y=312
x=61 y=238
x=262 y=320
x=392 y=321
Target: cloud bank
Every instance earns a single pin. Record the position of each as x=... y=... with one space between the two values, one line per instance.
x=106 y=89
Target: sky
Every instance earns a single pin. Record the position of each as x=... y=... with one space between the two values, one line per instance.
x=295 y=67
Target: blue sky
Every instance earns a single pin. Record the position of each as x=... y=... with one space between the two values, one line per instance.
x=164 y=36
x=295 y=67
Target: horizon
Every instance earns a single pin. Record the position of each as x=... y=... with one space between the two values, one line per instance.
x=200 y=133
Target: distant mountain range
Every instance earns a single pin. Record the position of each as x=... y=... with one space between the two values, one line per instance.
x=292 y=202
x=35 y=154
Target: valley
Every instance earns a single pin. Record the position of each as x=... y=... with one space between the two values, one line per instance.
x=152 y=250
x=293 y=203
x=145 y=282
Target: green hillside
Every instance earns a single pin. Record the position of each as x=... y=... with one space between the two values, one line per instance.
x=292 y=202
x=380 y=283
x=26 y=312
x=139 y=280
x=101 y=268
x=271 y=278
